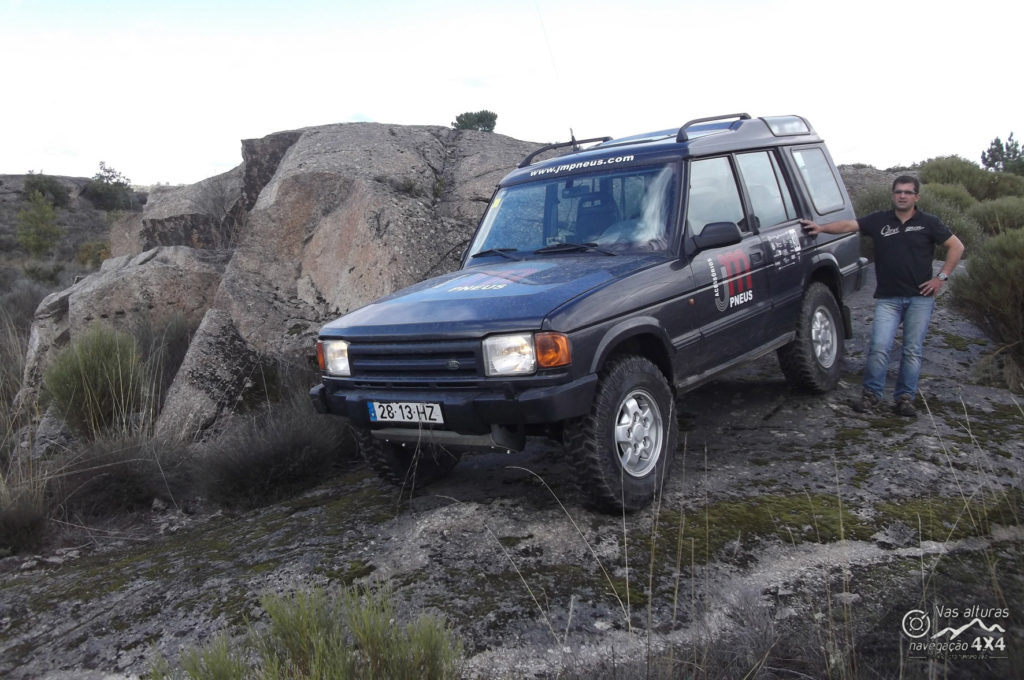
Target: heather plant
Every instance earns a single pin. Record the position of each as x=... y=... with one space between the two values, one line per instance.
x=50 y=187
x=272 y=453
x=352 y=634
x=97 y=383
x=992 y=295
x=955 y=195
x=999 y=215
x=982 y=184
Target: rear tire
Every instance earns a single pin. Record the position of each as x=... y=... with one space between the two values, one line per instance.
x=408 y=465
x=626 y=443
x=811 y=362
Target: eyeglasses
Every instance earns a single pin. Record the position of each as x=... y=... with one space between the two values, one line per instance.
x=904 y=192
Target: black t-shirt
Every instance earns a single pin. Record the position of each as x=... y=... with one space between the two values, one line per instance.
x=904 y=251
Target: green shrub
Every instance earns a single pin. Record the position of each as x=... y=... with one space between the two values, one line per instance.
x=92 y=253
x=958 y=220
x=50 y=187
x=97 y=383
x=38 y=232
x=946 y=195
x=350 y=635
x=999 y=215
x=872 y=200
x=110 y=190
x=992 y=294
x=981 y=184
x=279 y=451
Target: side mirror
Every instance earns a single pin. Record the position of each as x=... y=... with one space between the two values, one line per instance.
x=718 y=235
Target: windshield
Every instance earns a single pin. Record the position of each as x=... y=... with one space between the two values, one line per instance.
x=619 y=211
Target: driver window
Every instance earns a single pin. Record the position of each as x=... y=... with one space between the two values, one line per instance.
x=713 y=195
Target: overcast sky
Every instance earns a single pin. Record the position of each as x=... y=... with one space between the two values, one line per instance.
x=165 y=91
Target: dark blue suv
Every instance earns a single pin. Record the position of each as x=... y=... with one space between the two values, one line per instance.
x=598 y=287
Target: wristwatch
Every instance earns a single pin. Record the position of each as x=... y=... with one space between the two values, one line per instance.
x=942 y=276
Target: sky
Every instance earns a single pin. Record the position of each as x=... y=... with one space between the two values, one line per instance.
x=164 y=92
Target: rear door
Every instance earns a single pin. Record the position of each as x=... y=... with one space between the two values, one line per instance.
x=774 y=213
x=731 y=301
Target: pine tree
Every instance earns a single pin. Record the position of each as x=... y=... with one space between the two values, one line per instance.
x=37 y=225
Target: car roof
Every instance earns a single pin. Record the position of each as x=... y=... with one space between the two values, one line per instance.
x=699 y=137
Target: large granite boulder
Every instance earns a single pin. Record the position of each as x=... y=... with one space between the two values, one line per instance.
x=353 y=212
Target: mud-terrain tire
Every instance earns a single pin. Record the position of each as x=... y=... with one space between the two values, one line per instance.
x=811 y=362
x=408 y=465
x=625 y=445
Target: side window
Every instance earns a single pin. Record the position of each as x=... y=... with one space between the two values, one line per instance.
x=713 y=196
x=770 y=198
x=821 y=182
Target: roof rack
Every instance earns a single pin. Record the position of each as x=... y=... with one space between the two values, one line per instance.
x=560 y=145
x=682 y=136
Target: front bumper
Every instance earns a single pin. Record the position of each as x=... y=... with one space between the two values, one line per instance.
x=468 y=411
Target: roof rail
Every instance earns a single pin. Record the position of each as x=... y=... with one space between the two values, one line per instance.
x=573 y=143
x=682 y=137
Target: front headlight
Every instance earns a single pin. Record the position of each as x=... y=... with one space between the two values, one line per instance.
x=332 y=356
x=509 y=354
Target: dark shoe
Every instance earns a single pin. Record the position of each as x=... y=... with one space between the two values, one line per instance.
x=905 y=406
x=867 y=403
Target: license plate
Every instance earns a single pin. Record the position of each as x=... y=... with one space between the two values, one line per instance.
x=404 y=412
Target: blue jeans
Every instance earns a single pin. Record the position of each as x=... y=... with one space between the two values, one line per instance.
x=914 y=313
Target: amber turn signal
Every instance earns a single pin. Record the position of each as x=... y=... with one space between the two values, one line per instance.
x=552 y=350
x=320 y=356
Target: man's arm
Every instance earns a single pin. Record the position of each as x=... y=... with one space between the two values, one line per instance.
x=840 y=227
x=954 y=251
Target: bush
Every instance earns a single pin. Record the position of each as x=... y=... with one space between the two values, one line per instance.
x=117 y=474
x=50 y=187
x=38 y=232
x=92 y=253
x=350 y=635
x=283 y=450
x=110 y=190
x=948 y=195
x=97 y=383
x=953 y=216
x=980 y=183
x=992 y=294
x=999 y=215
x=23 y=510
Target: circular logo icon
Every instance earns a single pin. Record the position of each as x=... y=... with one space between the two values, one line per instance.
x=916 y=623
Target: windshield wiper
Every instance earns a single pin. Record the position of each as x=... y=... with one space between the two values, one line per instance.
x=504 y=252
x=568 y=246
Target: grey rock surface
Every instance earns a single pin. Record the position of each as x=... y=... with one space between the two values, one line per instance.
x=536 y=584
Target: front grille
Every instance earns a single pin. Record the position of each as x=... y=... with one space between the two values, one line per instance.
x=409 y=362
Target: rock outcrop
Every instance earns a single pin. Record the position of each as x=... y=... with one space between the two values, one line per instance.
x=314 y=223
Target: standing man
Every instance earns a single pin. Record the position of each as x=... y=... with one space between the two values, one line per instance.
x=905 y=240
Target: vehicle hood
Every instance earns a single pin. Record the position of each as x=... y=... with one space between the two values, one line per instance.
x=489 y=298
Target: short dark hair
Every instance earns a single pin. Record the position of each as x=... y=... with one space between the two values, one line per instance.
x=907 y=179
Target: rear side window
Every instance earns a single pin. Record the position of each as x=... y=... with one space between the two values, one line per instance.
x=821 y=182
x=769 y=195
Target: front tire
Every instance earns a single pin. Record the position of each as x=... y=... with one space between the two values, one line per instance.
x=626 y=443
x=811 y=362
x=409 y=465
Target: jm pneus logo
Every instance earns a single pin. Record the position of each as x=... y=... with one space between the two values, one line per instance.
x=731 y=279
